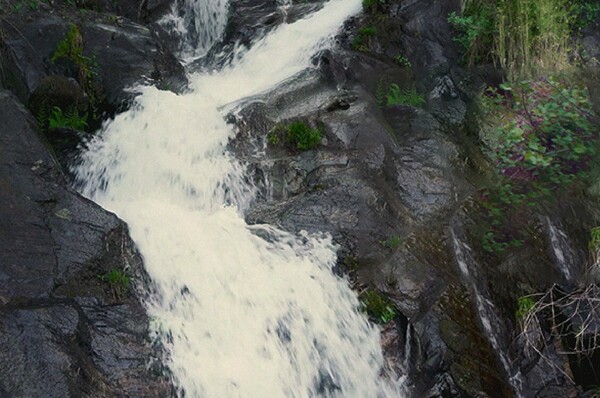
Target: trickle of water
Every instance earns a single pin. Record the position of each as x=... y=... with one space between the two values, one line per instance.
x=490 y=321
x=565 y=259
x=245 y=311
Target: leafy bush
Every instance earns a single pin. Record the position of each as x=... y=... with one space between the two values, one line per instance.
x=540 y=138
x=69 y=119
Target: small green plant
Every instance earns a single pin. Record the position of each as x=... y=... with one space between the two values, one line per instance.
x=296 y=136
x=378 y=306
x=524 y=306
x=402 y=61
x=69 y=119
x=360 y=41
x=594 y=244
x=302 y=137
x=118 y=282
x=393 y=242
x=407 y=96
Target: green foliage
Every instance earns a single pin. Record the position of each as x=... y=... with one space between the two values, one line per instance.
x=407 y=96
x=522 y=36
x=360 y=41
x=71 y=50
x=69 y=119
x=474 y=30
x=541 y=140
x=393 y=242
x=402 y=61
x=524 y=306
x=594 y=244
x=378 y=306
x=302 y=137
x=297 y=136
x=117 y=280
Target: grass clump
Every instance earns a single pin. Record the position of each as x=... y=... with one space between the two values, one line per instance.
x=118 y=282
x=378 y=307
x=296 y=136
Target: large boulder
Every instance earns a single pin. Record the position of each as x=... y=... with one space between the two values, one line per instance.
x=67 y=329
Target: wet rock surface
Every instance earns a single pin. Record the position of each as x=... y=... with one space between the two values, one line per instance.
x=118 y=54
x=64 y=329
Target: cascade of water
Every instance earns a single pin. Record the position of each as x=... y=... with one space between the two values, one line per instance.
x=490 y=321
x=246 y=311
x=199 y=24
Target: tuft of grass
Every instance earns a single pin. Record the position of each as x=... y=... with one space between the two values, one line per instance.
x=118 y=281
x=296 y=136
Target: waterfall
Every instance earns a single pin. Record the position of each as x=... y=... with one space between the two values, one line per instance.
x=198 y=23
x=244 y=310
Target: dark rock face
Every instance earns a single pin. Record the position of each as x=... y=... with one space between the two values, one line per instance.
x=63 y=330
x=121 y=54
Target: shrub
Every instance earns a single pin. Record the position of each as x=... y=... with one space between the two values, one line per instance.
x=540 y=137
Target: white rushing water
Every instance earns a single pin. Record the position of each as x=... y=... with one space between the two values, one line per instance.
x=198 y=23
x=247 y=311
